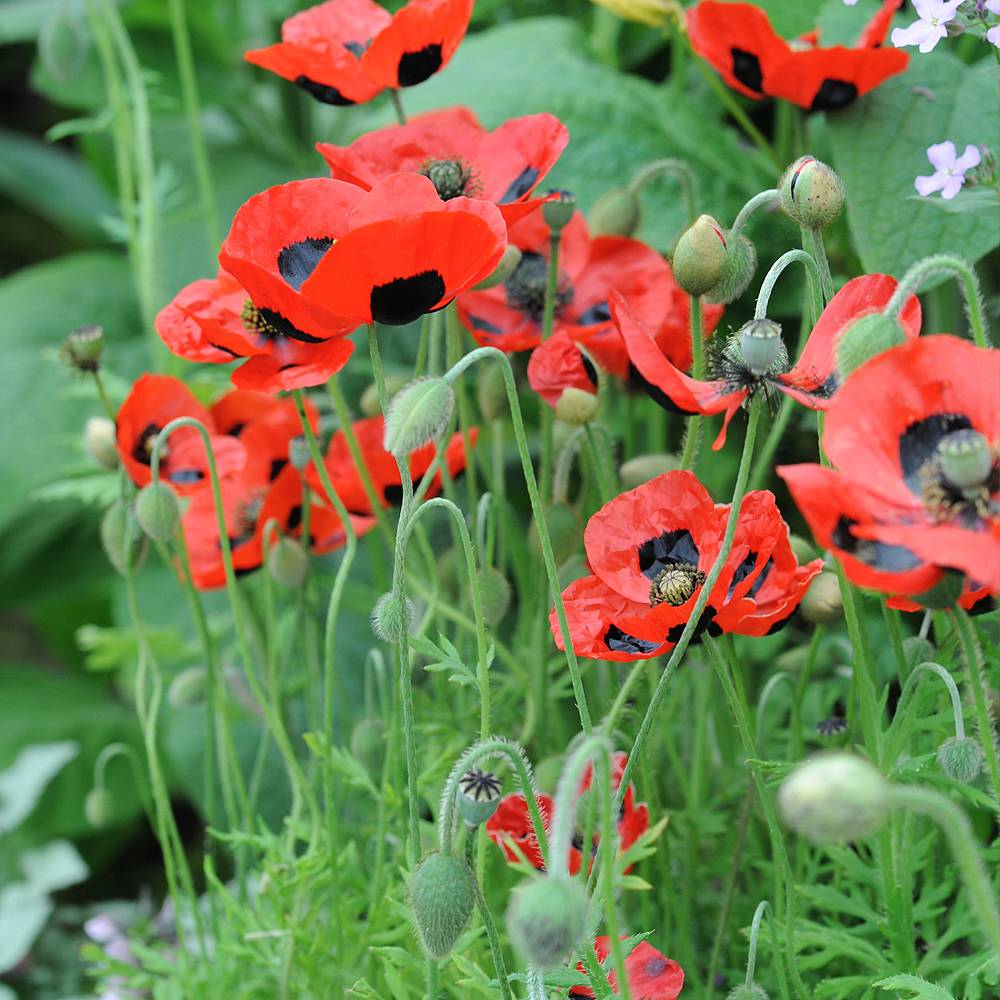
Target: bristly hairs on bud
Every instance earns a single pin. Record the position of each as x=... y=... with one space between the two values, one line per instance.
x=442 y=895
x=419 y=413
x=115 y=528
x=699 y=259
x=811 y=193
x=866 y=338
x=393 y=617
x=962 y=760
x=158 y=511
x=740 y=267
x=547 y=919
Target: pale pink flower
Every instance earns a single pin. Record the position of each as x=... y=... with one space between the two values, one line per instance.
x=949 y=169
x=931 y=28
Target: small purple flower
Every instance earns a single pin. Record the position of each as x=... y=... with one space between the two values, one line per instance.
x=993 y=34
x=949 y=169
x=931 y=28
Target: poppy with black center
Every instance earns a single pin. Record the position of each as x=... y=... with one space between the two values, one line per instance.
x=649 y=550
x=152 y=403
x=738 y=41
x=460 y=156
x=813 y=381
x=650 y=974
x=346 y=52
x=888 y=509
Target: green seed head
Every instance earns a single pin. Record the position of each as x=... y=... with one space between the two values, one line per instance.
x=966 y=459
x=478 y=796
x=559 y=210
x=761 y=345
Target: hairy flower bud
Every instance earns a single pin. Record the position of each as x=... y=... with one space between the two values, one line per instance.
x=961 y=759
x=747 y=992
x=616 y=213
x=559 y=210
x=699 y=261
x=547 y=919
x=114 y=528
x=495 y=591
x=741 y=264
x=834 y=797
x=392 y=617
x=187 y=689
x=287 y=562
x=577 y=406
x=477 y=796
x=822 y=604
x=99 y=807
x=443 y=894
x=811 y=193
x=507 y=266
x=158 y=512
x=803 y=550
x=83 y=348
x=417 y=414
x=491 y=392
x=642 y=468
x=99 y=441
x=369 y=398
x=368 y=744
x=865 y=338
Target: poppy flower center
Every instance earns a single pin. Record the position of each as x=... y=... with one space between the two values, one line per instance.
x=675 y=584
x=957 y=481
x=245 y=521
x=142 y=451
x=254 y=321
x=526 y=287
x=451 y=178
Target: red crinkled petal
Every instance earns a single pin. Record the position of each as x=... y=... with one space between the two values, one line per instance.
x=512 y=823
x=332 y=67
x=202 y=316
x=557 y=365
x=319 y=362
x=972 y=595
x=268 y=437
x=234 y=410
x=673 y=336
x=876 y=30
x=651 y=975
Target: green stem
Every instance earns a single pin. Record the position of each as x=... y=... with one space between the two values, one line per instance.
x=818 y=251
x=692 y=436
x=397 y=105
x=489 y=924
x=102 y=394
x=681 y=170
x=765 y=199
x=548 y=319
x=453 y=351
x=767 y=285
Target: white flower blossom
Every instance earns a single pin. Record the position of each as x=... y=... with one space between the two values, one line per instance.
x=949 y=169
x=931 y=28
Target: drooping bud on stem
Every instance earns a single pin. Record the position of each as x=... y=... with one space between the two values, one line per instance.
x=823 y=603
x=392 y=617
x=287 y=562
x=417 y=414
x=811 y=193
x=99 y=441
x=443 y=894
x=114 y=531
x=559 y=210
x=547 y=919
x=83 y=347
x=577 y=407
x=699 y=261
x=158 y=512
x=507 y=266
x=616 y=213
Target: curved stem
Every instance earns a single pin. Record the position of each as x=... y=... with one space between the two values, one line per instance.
x=949 y=682
x=765 y=199
x=397 y=106
x=818 y=250
x=767 y=286
x=681 y=170
x=762 y=907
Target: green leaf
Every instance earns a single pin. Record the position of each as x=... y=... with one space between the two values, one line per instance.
x=880 y=146
x=22 y=784
x=919 y=988
x=444 y=657
x=54 y=866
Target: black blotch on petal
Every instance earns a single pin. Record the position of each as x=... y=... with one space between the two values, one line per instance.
x=746 y=69
x=621 y=642
x=294 y=518
x=745 y=568
x=277 y=464
x=483 y=325
x=519 y=186
x=833 y=95
x=878 y=555
x=298 y=260
x=285 y=328
x=185 y=476
x=919 y=442
x=403 y=300
x=778 y=625
x=670 y=547
x=705 y=624
x=597 y=313
x=225 y=350
x=357 y=48
x=322 y=93
x=415 y=67
x=984 y=605
x=655 y=393
x=589 y=369
x=393 y=494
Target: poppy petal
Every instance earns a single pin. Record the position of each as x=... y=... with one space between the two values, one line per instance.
x=558 y=364
x=320 y=362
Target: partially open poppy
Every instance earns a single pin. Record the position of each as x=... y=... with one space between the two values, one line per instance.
x=650 y=550
x=650 y=974
x=558 y=364
x=213 y=320
x=915 y=487
x=459 y=156
x=737 y=40
x=152 y=403
x=348 y=51
x=813 y=380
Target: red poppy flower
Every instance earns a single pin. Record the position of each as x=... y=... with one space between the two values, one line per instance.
x=347 y=51
x=234 y=410
x=213 y=320
x=812 y=382
x=153 y=402
x=509 y=315
x=650 y=975
x=510 y=825
x=381 y=465
x=459 y=156
x=738 y=41
x=558 y=364
x=976 y=600
x=268 y=437
x=888 y=510
x=650 y=549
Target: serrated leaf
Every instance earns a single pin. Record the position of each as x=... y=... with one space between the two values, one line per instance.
x=444 y=657
x=920 y=989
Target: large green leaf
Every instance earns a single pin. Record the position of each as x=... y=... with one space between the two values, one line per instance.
x=880 y=145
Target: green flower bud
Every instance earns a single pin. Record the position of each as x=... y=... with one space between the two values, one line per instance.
x=822 y=604
x=966 y=459
x=761 y=345
x=369 y=398
x=392 y=618
x=188 y=688
x=443 y=894
x=577 y=406
x=615 y=213
x=801 y=549
x=559 y=210
x=158 y=512
x=642 y=468
x=700 y=256
x=491 y=393
x=547 y=919
x=114 y=526
x=417 y=414
x=368 y=744
x=834 y=797
x=565 y=531
x=917 y=650
x=83 y=348
x=99 y=807
x=298 y=453
x=288 y=562
x=864 y=339
x=961 y=759
x=811 y=193
x=741 y=264
x=745 y=992
x=507 y=266
x=100 y=443
x=495 y=592
x=477 y=796
x=944 y=593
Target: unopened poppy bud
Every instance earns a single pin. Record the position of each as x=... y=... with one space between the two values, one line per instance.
x=369 y=398
x=833 y=731
x=866 y=338
x=917 y=650
x=801 y=549
x=741 y=263
x=966 y=459
x=287 y=562
x=944 y=593
x=761 y=345
x=507 y=266
x=83 y=347
x=811 y=193
x=699 y=261
x=559 y=210
x=495 y=592
x=615 y=213
x=577 y=406
x=547 y=919
x=565 y=531
x=114 y=528
x=834 y=797
x=298 y=453
x=392 y=617
x=368 y=744
x=961 y=759
x=99 y=441
x=158 y=512
x=491 y=392
x=417 y=414
x=99 y=807
x=642 y=468
x=822 y=604
x=747 y=991
x=478 y=796
x=188 y=688
x=443 y=894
